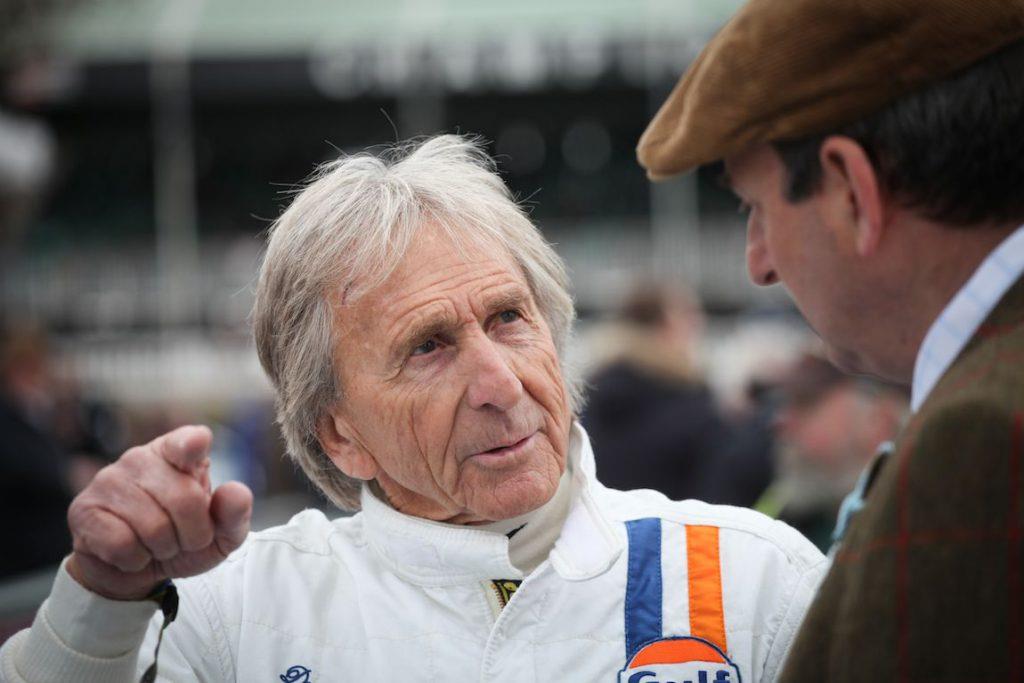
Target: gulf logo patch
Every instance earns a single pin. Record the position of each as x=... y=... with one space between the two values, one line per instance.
x=680 y=660
x=652 y=656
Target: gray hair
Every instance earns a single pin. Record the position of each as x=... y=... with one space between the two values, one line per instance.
x=346 y=231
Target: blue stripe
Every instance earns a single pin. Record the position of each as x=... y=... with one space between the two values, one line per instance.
x=643 y=584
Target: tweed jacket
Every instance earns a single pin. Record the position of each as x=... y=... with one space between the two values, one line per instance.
x=928 y=584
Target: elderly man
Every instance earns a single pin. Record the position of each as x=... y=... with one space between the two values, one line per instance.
x=879 y=146
x=412 y=321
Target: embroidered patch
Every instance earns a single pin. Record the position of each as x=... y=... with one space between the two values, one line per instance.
x=505 y=588
x=296 y=674
x=680 y=660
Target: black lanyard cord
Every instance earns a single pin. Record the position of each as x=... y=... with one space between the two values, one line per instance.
x=165 y=595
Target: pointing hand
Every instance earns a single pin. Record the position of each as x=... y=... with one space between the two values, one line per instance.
x=151 y=516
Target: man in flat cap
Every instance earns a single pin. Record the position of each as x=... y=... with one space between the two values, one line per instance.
x=879 y=146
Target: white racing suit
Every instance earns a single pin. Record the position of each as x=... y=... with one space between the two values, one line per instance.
x=637 y=589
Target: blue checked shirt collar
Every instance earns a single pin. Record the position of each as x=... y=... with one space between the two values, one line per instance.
x=963 y=315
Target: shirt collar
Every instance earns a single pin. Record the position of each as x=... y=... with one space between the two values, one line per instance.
x=435 y=554
x=964 y=313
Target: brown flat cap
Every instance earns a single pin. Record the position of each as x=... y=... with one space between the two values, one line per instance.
x=788 y=68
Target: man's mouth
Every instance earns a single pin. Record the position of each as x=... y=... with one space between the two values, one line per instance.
x=504 y=452
x=508 y=446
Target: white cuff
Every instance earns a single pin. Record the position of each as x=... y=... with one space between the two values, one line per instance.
x=81 y=636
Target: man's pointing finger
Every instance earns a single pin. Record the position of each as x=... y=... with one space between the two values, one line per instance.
x=185 y=448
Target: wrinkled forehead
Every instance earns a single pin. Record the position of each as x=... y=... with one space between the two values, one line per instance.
x=436 y=250
x=436 y=284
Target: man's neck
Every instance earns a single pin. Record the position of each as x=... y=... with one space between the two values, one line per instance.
x=937 y=262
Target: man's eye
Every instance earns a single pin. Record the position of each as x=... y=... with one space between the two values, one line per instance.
x=509 y=316
x=426 y=347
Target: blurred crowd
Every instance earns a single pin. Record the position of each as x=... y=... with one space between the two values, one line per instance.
x=651 y=415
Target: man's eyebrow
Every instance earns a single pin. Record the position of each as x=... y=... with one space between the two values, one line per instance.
x=417 y=333
x=428 y=327
x=515 y=297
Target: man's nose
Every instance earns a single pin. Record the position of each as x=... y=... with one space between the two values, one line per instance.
x=492 y=381
x=759 y=265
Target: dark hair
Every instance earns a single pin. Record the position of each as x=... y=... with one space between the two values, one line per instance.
x=953 y=150
x=650 y=302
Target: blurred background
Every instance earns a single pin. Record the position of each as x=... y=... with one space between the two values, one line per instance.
x=145 y=147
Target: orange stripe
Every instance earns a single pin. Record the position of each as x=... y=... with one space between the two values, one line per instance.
x=707 y=619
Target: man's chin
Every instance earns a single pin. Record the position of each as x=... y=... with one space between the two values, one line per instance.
x=847 y=361
x=524 y=506
x=853 y=363
x=519 y=495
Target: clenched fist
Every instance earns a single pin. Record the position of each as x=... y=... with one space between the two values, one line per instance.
x=151 y=516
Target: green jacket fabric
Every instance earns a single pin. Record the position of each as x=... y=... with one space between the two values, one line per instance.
x=928 y=584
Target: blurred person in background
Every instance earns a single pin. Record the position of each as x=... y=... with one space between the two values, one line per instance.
x=35 y=481
x=51 y=445
x=653 y=422
x=879 y=147
x=412 y=320
x=828 y=427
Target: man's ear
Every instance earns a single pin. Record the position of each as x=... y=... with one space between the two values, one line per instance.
x=852 y=189
x=338 y=442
